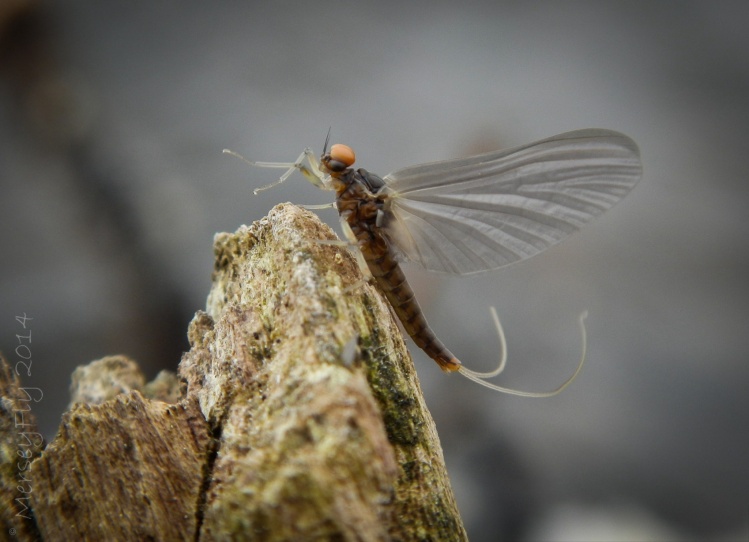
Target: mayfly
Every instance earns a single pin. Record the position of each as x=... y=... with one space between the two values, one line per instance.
x=469 y=215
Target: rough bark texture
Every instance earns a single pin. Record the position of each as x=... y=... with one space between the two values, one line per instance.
x=20 y=443
x=297 y=416
x=127 y=469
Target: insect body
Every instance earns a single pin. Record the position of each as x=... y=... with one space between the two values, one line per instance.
x=363 y=206
x=470 y=215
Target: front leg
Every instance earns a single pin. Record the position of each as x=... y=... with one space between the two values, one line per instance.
x=353 y=244
x=311 y=170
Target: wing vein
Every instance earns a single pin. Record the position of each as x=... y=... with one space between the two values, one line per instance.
x=479 y=213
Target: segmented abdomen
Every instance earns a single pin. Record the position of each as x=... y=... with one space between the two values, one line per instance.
x=391 y=280
x=360 y=209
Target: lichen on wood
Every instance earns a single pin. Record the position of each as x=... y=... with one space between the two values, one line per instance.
x=299 y=415
x=304 y=429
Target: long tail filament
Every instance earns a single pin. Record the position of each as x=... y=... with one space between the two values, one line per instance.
x=479 y=378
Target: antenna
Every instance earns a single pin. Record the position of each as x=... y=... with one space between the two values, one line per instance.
x=327 y=140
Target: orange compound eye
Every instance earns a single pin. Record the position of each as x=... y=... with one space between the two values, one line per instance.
x=343 y=154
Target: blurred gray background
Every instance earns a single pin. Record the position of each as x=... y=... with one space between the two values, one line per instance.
x=112 y=122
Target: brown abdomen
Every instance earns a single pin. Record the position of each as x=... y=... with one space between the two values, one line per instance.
x=391 y=280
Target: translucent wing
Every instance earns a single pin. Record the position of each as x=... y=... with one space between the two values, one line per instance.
x=483 y=212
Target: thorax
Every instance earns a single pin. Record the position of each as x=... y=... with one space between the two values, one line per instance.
x=358 y=200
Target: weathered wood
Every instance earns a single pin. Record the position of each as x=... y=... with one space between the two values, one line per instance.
x=20 y=443
x=316 y=442
x=127 y=469
x=300 y=416
x=108 y=377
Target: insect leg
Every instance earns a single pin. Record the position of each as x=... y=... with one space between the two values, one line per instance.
x=353 y=244
x=333 y=242
x=319 y=206
x=311 y=170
